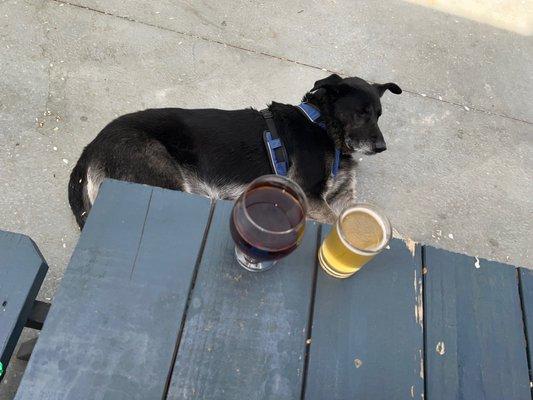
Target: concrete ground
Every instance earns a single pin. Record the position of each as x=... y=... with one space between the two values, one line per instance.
x=458 y=170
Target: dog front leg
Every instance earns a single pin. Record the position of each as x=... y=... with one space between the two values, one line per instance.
x=320 y=211
x=343 y=196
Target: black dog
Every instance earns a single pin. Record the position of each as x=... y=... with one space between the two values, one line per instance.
x=216 y=153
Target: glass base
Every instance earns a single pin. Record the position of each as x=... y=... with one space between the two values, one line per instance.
x=328 y=270
x=250 y=264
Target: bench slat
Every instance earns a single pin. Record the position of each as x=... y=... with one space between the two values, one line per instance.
x=367 y=334
x=474 y=332
x=244 y=336
x=22 y=271
x=112 y=328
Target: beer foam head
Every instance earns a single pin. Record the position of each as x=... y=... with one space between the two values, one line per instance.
x=363 y=229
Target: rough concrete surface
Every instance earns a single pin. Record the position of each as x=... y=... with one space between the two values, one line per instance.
x=458 y=171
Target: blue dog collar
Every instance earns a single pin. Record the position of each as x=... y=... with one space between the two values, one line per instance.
x=313 y=114
x=336 y=163
x=276 y=153
x=310 y=112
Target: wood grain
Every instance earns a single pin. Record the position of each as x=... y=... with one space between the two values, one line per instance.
x=526 y=291
x=244 y=337
x=22 y=271
x=113 y=326
x=474 y=332
x=367 y=334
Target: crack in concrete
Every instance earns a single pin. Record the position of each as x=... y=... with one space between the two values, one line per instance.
x=465 y=107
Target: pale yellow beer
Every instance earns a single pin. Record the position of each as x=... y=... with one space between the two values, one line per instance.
x=360 y=233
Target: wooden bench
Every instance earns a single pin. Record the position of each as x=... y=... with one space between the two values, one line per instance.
x=153 y=305
x=22 y=271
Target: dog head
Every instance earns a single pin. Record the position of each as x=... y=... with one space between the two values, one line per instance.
x=351 y=108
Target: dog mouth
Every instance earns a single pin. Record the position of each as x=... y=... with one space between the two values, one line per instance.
x=349 y=147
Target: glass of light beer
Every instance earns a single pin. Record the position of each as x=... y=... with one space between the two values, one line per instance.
x=361 y=232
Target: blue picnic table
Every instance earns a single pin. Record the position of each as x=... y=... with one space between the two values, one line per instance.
x=153 y=305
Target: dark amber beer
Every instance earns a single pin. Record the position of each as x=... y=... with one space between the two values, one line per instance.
x=267 y=222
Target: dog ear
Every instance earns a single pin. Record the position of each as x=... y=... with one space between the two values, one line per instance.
x=331 y=80
x=394 y=88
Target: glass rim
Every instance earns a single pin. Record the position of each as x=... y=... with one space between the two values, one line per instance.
x=293 y=186
x=378 y=215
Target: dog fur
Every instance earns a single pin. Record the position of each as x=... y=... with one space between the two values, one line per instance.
x=216 y=153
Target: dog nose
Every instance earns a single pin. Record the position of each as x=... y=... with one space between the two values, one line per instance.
x=379 y=147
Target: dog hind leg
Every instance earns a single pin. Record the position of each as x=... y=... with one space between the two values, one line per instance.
x=152 y=166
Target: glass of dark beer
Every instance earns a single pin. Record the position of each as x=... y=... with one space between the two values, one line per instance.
x=267 y=222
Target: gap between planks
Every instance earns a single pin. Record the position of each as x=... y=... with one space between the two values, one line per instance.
x=189 y=294
x=522 y=309
x=308 y=340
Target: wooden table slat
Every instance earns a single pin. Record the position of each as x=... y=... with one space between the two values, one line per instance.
x=475 y=344
x=244 y=336
x=115 y=323
x=113 y=326
x=367 y=334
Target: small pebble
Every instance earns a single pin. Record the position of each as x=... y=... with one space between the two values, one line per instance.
x=65 y=160
x=55 y=148
x=466 y=108
x=450 y=236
